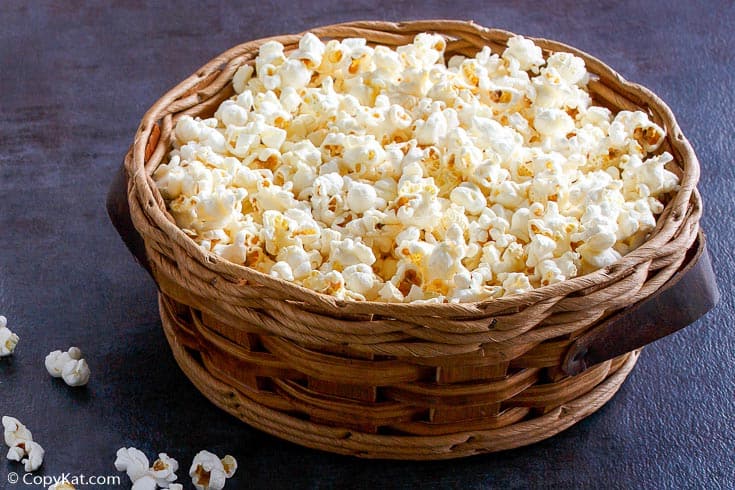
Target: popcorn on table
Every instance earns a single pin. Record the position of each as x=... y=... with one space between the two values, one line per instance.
x=69 y=366
x=376 y=174
x=22 y=447
x=8 y=340
x=161 y=474
x=209 y=472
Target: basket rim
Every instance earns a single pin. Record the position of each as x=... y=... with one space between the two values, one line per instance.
x=158 y=215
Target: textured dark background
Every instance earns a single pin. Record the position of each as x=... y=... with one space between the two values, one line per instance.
x=75 y=78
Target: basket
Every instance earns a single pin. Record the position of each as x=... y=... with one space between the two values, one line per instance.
x=409 y=381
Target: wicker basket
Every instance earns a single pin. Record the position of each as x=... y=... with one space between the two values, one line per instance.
x=409 y=381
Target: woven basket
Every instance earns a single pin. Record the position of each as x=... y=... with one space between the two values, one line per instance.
x=409 y=381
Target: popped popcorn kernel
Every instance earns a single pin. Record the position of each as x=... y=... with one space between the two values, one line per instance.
x=69 y=366
x=209 y=472
x=8 y=339
x=135 y=464
x=23 y=448
x=379 y=174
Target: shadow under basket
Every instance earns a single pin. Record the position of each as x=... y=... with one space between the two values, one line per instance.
x=410 y=381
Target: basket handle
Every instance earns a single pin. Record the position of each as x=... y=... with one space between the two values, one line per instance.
x=684 y=298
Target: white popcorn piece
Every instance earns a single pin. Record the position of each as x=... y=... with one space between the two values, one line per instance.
x=229 y=463
x=569 y=67
x=8 y=339
x=76 y=373
x=470 y=197
x=133 y=462
x=361 y=279
x=387 y=174
x=528 y=55
x=209 y=472
x=29 y=453
x=14 y=431
x=22 y=448
x=349 y=252
x=282 y=270
x=311 y=50
x=515 y=282
x=553 y=122
x=68 y=365
x=34 y=456
x=242 y=77
x=17 y=452
x=540 y=248
x=164 y=470
x=361 y=197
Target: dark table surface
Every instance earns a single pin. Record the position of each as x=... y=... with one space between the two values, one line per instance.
x=76 y=77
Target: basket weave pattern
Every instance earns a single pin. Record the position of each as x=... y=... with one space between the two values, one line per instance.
x=387 y=380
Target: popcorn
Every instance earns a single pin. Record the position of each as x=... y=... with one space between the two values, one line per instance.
x=8 y=340
x=553 y=123
x=515 y=282
x=361 y=197
x=69 y=366
x=282 y=270
x=22 y=447
x=76 y=373
x=311 y=50
x=470 y=197
x=56 y=360
x=540 y=248
x=135 y=463
x=29 y=453
x=524 y=52
x=372 y=173
x=349 y=252
x=241 y=78
x=569 y=67
x=14 y=431
x=164 y=470
x=361 y=279
x=34 y=456
x=209 y=472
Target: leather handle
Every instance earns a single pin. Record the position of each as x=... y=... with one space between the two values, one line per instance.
x=118 y=209
x=685 y=297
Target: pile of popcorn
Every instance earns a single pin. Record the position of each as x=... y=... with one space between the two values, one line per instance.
x=370 y=173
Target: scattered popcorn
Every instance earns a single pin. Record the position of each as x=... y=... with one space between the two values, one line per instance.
x=22 y=447
x=164 y=470
x=34 y=453
x=14 y=431
x=8 y=340
x=390 y=175
x=56 y=360
x=135 y=464
x=69 y=366
x=209 y=472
